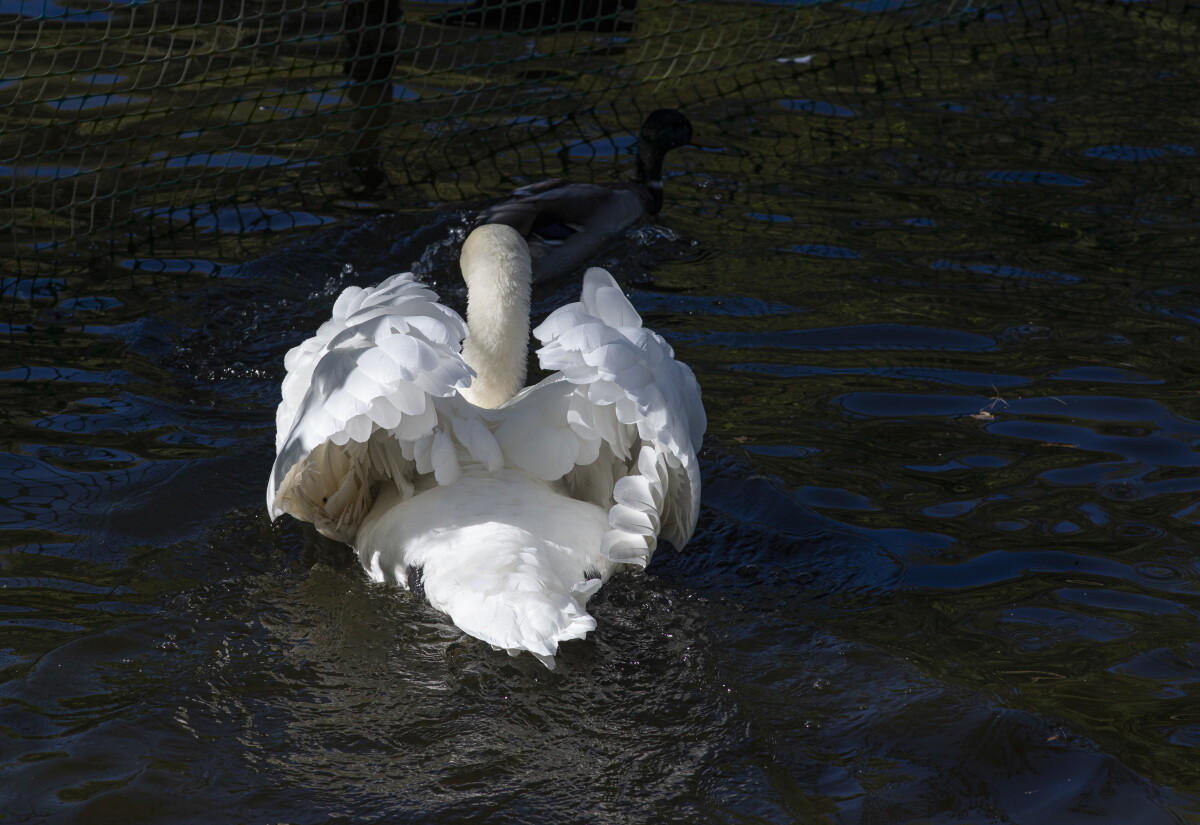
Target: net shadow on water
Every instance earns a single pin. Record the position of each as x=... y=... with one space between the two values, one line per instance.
x=937 y=286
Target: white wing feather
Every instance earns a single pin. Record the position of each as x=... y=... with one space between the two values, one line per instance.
x=358 y=396
x=629 y=389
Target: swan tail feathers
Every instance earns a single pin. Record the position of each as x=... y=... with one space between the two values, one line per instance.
x=525 y=608
x=511 y=589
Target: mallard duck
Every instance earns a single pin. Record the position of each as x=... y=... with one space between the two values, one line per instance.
x=410 y=435
x=566 y=223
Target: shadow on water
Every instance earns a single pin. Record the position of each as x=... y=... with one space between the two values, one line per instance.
x=944 y=570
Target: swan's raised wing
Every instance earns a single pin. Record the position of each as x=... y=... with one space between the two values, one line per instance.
x=360 y=403
x=635 y=413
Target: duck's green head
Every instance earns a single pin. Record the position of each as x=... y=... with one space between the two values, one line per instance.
x=666 y=129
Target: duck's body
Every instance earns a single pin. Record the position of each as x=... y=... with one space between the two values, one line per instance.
x=511 y=505
x=565 y=223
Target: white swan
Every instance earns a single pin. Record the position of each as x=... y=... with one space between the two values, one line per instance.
x=512 y=506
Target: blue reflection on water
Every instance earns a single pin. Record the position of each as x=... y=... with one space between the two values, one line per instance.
x=1038 y=178
x=221 y=160
x=75 y=103
x=865 y=336
x=819 y=107
x=50 y=10
x=237 y=218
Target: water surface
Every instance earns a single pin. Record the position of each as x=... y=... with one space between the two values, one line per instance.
x=942 y=305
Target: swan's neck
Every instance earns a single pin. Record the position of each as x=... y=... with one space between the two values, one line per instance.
x=497 y=342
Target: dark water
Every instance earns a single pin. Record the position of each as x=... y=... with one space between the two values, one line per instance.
x=942 y=304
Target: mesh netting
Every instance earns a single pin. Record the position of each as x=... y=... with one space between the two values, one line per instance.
x=122 y=119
